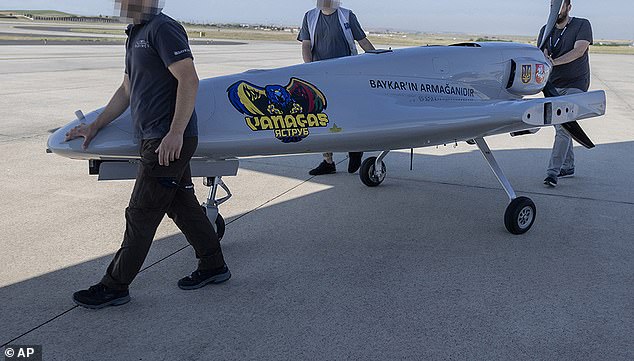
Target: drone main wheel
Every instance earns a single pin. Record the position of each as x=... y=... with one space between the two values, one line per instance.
x=368 y=174
x=520 y=215
x=221 y=226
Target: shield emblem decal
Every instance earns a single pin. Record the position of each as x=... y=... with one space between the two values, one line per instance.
x=540 y=73
x=527 y=73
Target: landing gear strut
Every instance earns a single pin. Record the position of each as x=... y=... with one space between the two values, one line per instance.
x=521 y=212
x=211 y=205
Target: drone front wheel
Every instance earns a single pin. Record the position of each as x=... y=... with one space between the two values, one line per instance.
x=220 y=224
x=369 y=175
x=220 y=227
x=520 y=215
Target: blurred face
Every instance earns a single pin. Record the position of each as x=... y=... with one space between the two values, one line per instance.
x=328 y=4
x=138 y=10
x=565 y=11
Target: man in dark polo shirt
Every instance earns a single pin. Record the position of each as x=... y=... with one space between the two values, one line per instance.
x=330 y=31
x=160 y=87
x=567 y=48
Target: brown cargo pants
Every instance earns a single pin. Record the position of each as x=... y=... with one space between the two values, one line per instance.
x=158 y=191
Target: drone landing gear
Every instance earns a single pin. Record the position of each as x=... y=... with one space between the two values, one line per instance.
x=521 y=212
x=373 y=170
x=211 y=205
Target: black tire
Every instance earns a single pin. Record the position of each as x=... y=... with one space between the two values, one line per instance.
x=220 y=227
x=520 y=215
x=366 y=173
x=220 y=224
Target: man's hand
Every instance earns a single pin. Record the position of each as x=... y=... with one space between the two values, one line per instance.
x=117 y=105
x=170 y=148
x=88 y=132
x=580 y=49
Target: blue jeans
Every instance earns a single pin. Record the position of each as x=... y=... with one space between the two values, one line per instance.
x=563 y=156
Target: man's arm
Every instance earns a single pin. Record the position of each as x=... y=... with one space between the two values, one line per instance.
x=304 y=37
x=366 y=45
x=119 y=102
x=581 y=46
x=307 y=51
x=185 y=73
x=358 y=34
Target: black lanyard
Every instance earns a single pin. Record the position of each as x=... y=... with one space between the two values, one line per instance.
x=552 y=47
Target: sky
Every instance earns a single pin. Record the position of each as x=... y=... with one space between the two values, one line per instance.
x=611 y=19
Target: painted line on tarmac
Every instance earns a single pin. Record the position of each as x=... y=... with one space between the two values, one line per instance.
x=45 y=57
x=616 y=92
x=39 y=326
x=518 y=191
x=10 y=138
x=40 y=91
x=166 y=257
x=65 y=70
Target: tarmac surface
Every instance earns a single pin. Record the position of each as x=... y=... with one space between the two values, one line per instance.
x=64 y=29
x=323 y=268
x=48 y=34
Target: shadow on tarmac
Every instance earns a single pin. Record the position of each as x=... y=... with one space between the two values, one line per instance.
x=419 y=268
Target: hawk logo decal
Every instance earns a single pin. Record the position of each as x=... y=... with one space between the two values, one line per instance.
x=289 y=111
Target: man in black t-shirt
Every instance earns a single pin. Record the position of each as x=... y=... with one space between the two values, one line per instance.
x=160 y=87
x=328 y=32
x=567 y=48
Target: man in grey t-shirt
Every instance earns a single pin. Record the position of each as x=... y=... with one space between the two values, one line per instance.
x=159 y=87
x=567 y=48
x=328 y=32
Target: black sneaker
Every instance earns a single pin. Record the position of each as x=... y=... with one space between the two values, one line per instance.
x=200 y=279
x=354 y=163
x=566 y=173
x=100 y=296
x=324 y=168
x=550 y=181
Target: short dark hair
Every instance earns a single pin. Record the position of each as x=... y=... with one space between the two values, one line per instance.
x=567 y=2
